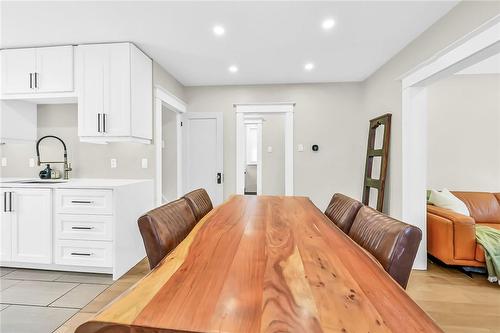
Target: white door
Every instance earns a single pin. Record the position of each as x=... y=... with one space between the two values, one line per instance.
x=5 y=226
x=18 y=69
x=31 y=225
x=203 y=146
x=54 y=68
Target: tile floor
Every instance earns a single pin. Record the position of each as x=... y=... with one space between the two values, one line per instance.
x=42 y=301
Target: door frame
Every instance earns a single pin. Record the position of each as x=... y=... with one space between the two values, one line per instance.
x=219 y=142
x=163 y=98
x=244 y=110
x=258 y=122
x=478 y=45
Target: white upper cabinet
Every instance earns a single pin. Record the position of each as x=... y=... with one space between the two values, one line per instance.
x=115 y=93
x=36 y=72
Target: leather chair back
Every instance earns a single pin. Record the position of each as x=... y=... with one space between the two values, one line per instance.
x=342 y=210
x=200 y=203
x=163 y=228
x=393 y=243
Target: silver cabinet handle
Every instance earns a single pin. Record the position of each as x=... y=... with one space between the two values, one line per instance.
x=5 y=202
x=81 y=254
x=82 y=228
x=98 y=123
x=36 y=80
x=104 y=123
x=31 y=80
x=82 y=202
x=10 y=201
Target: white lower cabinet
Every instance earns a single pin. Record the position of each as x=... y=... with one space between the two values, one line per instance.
x=30 y=234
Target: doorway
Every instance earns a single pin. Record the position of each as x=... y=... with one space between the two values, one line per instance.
x=168 y=166
x=253 y=165
x=204 y=154
x=249 y=114
x=473 y=48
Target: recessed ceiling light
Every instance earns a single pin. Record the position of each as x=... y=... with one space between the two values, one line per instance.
x=233 y=69
x=309 y=66
x=219 y=30
x=328 y=24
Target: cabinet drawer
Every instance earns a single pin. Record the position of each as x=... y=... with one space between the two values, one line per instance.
x=88 y=227
x=69 y=201
x=84 y=253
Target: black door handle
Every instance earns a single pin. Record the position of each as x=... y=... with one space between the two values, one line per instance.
x=219 y=178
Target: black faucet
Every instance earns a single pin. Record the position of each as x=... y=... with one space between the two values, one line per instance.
x=67 y=166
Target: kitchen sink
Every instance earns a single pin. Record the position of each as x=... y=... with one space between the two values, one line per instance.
x=38 y=181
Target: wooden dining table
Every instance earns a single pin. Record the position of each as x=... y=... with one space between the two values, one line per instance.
x=264 y=264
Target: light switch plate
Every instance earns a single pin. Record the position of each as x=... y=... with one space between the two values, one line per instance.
x=32 y=162
x=269 y=149
x=113 y=163
x=4 y=161
x=144 y=163
x=300 y=147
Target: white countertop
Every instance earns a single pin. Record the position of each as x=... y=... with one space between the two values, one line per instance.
x=71 y=183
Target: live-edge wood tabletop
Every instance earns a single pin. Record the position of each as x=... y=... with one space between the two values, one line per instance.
x=264 y=264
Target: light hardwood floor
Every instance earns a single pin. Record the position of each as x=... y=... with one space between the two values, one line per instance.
x=457 y=303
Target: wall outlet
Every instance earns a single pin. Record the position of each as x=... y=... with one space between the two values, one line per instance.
x=269 y=149
x=113 y=163
x=32 y=162
x=4 y=161
x=300 y=147
x=144 y=163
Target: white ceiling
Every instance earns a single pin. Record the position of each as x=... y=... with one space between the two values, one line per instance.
x=489 y=65
x=269 y=41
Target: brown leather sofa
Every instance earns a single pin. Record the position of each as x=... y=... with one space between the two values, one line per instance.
x=451 y=237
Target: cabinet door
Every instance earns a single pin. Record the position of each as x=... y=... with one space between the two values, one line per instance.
x=91 y=62
x=5 y=227
x=32 y=225
x=18 y=68
x=54 y=69
x=117 y=90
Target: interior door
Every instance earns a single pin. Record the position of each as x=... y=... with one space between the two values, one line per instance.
x=18 y=68
x=204 y=156
x=32 y=225
x=5 y=227
x=54 y=68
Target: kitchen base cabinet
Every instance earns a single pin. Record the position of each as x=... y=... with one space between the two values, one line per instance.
x=82 y=226
x=28 y=235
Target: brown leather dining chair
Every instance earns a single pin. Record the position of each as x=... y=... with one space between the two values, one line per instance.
x=342 y=210
x=200 y=203
x=393 y=243
x=163 y=228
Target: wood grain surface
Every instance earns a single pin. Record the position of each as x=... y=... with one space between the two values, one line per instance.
x=264 y=264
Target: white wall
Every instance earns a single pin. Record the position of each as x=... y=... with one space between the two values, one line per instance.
x=329 y=115
x=273 y=164
x=169 y=155
x=464 y=133
x=382 y=90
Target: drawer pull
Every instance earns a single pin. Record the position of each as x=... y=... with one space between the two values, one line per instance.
x=81 y=254
x=82 y=228
x=82 y=202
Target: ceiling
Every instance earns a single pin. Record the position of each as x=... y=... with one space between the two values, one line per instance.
x=489 y=65
x=269 y=42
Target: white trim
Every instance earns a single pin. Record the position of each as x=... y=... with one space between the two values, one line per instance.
x=242 y=112
x=476 y=46
x=175 y=104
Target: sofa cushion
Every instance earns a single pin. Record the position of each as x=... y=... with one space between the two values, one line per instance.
x=446 y=199
x=483 y=206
